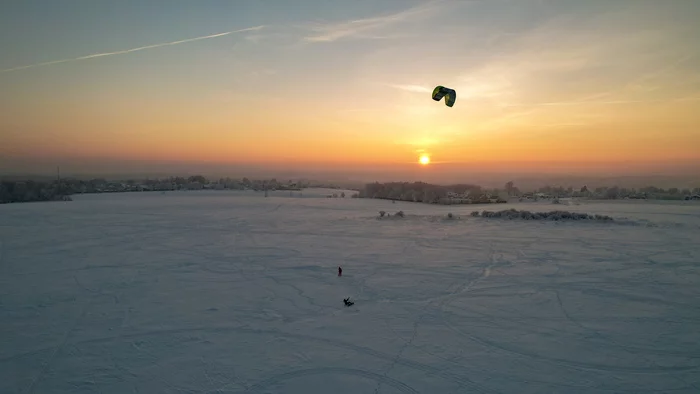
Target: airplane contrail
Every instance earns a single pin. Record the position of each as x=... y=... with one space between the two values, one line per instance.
x=130 y=50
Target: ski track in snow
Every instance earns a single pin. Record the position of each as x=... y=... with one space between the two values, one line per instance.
x=231 y=292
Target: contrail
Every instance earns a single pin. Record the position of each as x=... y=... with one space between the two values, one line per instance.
x=130 y=50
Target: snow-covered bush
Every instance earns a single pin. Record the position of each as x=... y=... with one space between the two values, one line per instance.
x=551 y=215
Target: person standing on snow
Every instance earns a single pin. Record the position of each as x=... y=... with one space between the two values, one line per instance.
x=340 y=271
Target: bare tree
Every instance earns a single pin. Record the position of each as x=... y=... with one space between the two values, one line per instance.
x=509 y=188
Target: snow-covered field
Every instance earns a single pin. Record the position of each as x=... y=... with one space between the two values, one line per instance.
x=230 y=292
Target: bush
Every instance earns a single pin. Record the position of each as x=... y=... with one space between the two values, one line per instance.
x=381 y=214
x=512 y=214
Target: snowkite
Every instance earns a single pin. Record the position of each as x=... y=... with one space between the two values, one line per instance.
x=449 y=94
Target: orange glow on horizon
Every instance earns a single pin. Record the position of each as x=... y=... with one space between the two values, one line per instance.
x=618 y=90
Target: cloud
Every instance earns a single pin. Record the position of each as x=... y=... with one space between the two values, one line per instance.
x=608 y=102
x=255 y=38
x=271 y=35
x=412 y=88
x=362 y=28
x=96 y=55
x=608 y=58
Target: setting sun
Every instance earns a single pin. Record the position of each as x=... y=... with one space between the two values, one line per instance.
x=424 y=160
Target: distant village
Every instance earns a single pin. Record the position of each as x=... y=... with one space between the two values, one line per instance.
x=475 y=194
x=28 y=190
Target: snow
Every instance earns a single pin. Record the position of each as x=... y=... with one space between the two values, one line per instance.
x=231 y=292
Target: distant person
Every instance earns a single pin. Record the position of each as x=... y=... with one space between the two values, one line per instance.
x=340 y=271
x=347 y=302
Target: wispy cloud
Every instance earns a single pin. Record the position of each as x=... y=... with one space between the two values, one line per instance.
x=96 y=55
x=601 y=60
x=270 y=35
x=364 y=28
x=608 y=102
x=412 y=88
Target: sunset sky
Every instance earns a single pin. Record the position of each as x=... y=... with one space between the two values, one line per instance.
x=540 y=84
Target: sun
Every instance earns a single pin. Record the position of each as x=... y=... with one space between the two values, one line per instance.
x=424 y=160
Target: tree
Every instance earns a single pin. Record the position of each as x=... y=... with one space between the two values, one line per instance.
x=5 y=193
x=612 y=193
x=394 y=193
x=509 y=188
x=197 y=178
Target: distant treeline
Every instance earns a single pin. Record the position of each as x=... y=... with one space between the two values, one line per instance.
x=429 y=193
x=55 y=190
x=475 y=194
x=616 y=193
x=27 y=190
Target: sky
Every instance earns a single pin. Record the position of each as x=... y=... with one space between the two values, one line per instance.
x=542 y=85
